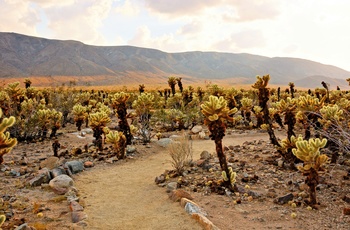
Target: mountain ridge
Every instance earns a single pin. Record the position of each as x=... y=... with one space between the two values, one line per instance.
x=28 y=56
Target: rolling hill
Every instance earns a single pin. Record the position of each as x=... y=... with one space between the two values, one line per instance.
x=62 y=61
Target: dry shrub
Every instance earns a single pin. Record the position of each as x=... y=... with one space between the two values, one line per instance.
x=181 y=153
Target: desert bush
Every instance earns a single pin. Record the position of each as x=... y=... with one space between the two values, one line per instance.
x=181 y=153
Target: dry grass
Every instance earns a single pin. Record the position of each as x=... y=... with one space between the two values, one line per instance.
x=181 y=153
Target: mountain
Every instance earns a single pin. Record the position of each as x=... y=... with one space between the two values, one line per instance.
x=25 y=56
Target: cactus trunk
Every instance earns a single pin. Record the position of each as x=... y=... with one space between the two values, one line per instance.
x=223 y=162
x=312 y=181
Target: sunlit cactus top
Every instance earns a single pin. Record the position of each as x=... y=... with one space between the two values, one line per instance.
x=120 y=98
x=261 y=82
x=309 y=153
x=216 y=108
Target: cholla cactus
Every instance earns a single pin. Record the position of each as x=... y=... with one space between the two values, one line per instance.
x=261 y=82
x=246 y=108
x=216 y=114
x=172 y=83
x=309 y=153
x=2 y=220
x=80 y=115
x=331 y=114
x=143 y=106
x=6 y=143
x=118 y=140
x=119 y=103
x=97 y=122
x=309 y=113
x=231 y=178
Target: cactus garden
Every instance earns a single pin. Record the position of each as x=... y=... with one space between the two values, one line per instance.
x=256 y=158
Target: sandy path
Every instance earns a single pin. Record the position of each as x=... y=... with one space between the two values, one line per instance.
x=124 y=195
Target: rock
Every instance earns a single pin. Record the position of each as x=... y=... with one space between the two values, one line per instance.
x=43 y=176
x=201 y=135
x=160 y=179
x=205 y=155
x=346 y=211
x=57 y=171
x=254 y=194
x=88 y=164
x=75 y=207
x=346 y=199
x=78 y=216
x=130 y=149
x=75 y=166
x=171 y=186
x=204 y=222
x=284 y=199
x=61 y=184
x=24 y=227
x=50 y=163
x=164 y=142
x=192 y=208
x=184 y=201
x=87 y=131
x=178 y=194
x=196 y=129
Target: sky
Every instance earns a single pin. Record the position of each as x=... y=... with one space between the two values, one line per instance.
x=317 y=30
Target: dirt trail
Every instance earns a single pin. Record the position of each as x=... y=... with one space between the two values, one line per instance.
x=124 y=195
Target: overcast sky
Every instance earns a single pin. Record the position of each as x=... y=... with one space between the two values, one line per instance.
x=317 y=30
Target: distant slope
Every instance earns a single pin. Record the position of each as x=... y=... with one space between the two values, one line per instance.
x=25 y=56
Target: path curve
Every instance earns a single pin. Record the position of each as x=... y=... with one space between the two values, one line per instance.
x=124 y=196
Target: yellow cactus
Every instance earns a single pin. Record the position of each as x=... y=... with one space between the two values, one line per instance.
x=6 y=143
x=261 y=82
x=99 y=119
x=309 y=153
x=144 y=103
x=232 y=177
x=118 y=140
x=79 y=112
x=2 y=220
x=216 y=108
x=119 y=98
x=330 y=114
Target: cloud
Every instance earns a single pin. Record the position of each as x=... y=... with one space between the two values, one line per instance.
x=18 y=16
x=190 y=28
x=143 y=38
x=241 y=42
x=79 y=21
x=231 y=10
x=129 y=8
x=252 y=10
x=179 y=7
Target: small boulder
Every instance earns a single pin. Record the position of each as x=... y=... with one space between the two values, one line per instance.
x=205 y=155
x=75 y=166
x=196 y=129
x=178 y=194
x=42 y=177
x=61 y=184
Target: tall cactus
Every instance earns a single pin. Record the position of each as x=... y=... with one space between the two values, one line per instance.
x=309 y=153
x=119 y=103
x=216 y=114
x=6 y=143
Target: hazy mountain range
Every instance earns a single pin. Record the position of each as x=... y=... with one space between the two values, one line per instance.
x=56 y=60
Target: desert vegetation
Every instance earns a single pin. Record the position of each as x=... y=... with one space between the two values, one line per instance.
x=314 y=122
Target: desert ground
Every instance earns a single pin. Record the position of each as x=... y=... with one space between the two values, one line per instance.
x=123 y=194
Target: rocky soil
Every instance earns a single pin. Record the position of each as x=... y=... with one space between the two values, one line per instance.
x=112 y=194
